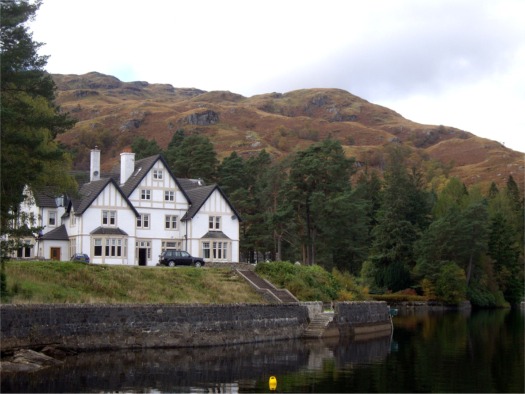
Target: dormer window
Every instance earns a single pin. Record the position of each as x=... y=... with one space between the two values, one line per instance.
x=157 y=175
x=52 y=220
x=59 y=201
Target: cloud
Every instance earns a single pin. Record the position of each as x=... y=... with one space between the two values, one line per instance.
x=430 y=48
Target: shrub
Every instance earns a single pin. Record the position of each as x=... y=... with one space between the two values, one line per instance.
x=451 y=283
x=311 y=282
x=482 y=297
x=349 y=289
x=429 y=290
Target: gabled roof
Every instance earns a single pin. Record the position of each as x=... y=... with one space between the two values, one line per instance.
x=142 y=167
x=90 y=191
x=199 y=195
x=58 y=234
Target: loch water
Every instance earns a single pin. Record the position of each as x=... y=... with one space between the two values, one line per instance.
x=445 y=352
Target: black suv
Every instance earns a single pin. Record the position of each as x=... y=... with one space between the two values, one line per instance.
x=173 y=257
x=82 y=257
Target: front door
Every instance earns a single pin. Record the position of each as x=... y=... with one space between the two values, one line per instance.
x=55 y=253
x=143 y=255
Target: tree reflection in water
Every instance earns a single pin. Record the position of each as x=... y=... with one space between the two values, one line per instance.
x=185 y=369
x=429 y=352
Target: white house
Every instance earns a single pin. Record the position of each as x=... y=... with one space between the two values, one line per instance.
x=131 y=216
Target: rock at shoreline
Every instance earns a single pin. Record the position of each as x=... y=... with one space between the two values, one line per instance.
x=27 y=360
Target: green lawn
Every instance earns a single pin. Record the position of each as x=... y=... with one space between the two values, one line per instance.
x=71 y=282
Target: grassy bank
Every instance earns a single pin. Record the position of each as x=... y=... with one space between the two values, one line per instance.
x=68 y=282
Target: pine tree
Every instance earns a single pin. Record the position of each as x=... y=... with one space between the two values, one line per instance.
x=144 y=148
x=30 y=121
x=192 y=156
x=30 y=156
x=403 y=215
x=317 y=174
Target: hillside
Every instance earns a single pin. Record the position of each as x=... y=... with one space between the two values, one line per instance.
x=111 y=113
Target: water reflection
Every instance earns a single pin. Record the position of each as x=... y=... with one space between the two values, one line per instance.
x=214 y=369
x=481 y=351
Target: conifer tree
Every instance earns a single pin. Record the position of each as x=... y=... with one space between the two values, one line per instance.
x=317 y=174
x=192 y=156
x=30 y=120
x=144 y=148
x=402 y=216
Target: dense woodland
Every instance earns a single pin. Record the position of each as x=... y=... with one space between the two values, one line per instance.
x=410 y=228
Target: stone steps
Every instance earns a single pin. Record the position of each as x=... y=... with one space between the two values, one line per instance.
x=281 y=296
x=318 y=325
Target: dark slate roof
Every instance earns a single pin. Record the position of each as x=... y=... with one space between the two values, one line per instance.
x=198 y=195
x=58 y=234
x=188 y=184
x=108 y=231
x=43 y=199
x=216 y=235
x=47 y=198
x=90 y=191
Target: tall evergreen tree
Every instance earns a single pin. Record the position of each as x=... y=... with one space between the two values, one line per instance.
x=30 y=119
x=144 y=148
x=505 y=246
x=403 y=214
x=192 y=156
x=317 y=174
x=232 y=174
x=513 y=192
x=368 y=188
x=280 y=212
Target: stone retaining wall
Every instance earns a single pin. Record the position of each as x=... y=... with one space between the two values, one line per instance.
x=84 y=327
x=356 y=318
x=89 y=327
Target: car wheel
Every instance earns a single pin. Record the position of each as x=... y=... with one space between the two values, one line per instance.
x=198 y=264
x=171 y=264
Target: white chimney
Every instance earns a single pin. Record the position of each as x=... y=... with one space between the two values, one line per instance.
x=94 y=167
x=127 y=166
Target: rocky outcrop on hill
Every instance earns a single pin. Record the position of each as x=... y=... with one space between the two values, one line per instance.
x=205 y=118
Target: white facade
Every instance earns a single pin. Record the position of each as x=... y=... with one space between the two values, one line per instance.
x=215 y=216
x=132 y=216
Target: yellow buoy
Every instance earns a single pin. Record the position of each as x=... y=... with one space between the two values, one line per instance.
x=272 y=383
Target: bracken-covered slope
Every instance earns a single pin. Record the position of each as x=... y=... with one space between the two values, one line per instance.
x=111 y=113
